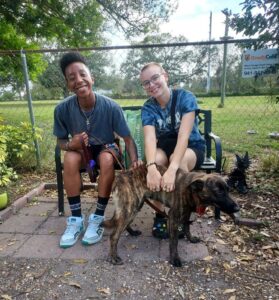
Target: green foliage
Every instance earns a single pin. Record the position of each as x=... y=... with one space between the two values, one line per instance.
x=10 y=65
x=70 y=23
x=258 y=17
x=80 y=23
x=40 y=92
x=15 y=141
x=7 y=96
x=183 y=64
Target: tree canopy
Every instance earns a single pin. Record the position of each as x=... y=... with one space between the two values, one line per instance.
x=33 y=24
x=79 y=23
x=181 y=63
x=258 y=17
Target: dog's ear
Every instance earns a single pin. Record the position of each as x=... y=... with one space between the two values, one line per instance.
x=197 y=185
x=246 y=159
x=238 y=159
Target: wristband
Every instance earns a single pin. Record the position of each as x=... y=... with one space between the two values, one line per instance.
x=150 y=164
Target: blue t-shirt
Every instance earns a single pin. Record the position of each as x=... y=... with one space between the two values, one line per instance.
x=152 y=114
x=106 y=119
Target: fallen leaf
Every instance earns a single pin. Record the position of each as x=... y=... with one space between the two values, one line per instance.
x=67 y=274
x=258 y=206
x=226 y=228
x=219 y=241
x=11 y=243
x=207 y=271
x=232 y=298
x=229 y=291
x=75 y=284
x=208 y=258
x=268 y=247
x=6 y=297
x=105 y=291
x=80 y=261
x=265 y=234
x=227 y=266
x=181 y=293
x=245 y=258
x=236 y=248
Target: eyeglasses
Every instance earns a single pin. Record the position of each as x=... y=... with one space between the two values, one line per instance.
x=154 y=79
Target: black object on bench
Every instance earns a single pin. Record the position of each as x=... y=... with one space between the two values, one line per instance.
x=132 y=115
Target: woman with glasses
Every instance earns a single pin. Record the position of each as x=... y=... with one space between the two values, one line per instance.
x=171 y=135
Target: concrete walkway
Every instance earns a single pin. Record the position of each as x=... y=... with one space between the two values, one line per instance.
x=31 y=228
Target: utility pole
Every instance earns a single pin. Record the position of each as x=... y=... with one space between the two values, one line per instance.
x=209 y=55
x=224 y=70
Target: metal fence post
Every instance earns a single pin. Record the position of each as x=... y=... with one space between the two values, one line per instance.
x=30 y=107
x=224 y=69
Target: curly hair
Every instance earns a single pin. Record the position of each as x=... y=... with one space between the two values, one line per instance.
x=69 y=58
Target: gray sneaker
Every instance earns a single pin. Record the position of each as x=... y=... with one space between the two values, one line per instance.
x=74 y=228
x=94 y=231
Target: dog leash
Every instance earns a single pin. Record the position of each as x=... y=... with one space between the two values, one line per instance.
x=163 y=213
x=90 y=163
x=110 y=151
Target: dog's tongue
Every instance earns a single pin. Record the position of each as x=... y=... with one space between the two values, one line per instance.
x=200 y=210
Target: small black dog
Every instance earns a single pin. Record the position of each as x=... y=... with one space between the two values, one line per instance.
x=237 y=177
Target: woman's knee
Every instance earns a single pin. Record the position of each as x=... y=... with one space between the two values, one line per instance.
x=189 y=160
x=161 y=158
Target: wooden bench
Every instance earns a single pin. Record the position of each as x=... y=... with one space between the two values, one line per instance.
x=212 y=161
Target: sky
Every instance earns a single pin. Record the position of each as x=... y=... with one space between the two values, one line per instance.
x=191 y=19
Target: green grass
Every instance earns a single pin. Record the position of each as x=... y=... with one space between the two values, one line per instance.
x=231 y=122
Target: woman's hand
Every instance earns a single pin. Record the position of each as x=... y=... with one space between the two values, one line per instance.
x=168 y=180
x=153 y=179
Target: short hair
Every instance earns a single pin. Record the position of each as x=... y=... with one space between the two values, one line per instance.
x=69 y=58
x=146 y=66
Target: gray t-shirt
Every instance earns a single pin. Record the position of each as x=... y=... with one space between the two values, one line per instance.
x=106 y=119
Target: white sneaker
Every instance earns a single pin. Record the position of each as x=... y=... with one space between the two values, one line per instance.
x=74 y=228
x=94 y=231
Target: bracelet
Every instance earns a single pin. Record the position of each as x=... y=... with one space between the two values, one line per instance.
x=150 y=164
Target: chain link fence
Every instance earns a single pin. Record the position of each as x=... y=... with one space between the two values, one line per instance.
x=245 y=121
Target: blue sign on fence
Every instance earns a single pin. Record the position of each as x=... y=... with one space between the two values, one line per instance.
x=260 y=62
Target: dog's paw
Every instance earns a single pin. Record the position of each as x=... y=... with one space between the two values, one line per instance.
x=194 y=239
x=133 y=232
x=176 y=262
x=115 y=260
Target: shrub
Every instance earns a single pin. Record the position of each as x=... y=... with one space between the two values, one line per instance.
x=8 y=96
x=15 y=141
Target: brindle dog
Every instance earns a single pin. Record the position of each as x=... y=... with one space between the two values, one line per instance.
x=191 y=190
